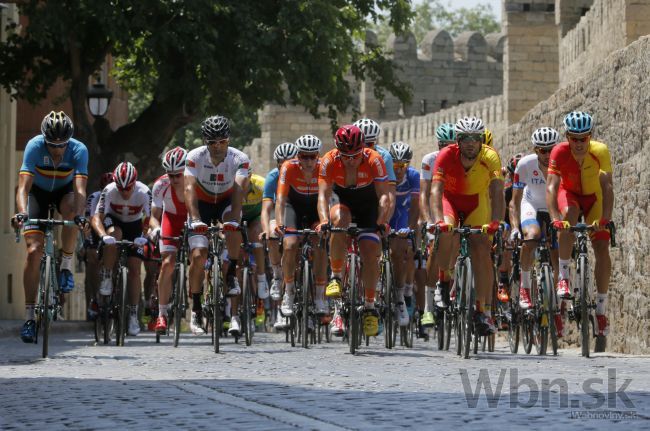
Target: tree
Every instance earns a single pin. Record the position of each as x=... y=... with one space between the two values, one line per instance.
x=186 y=59
x=432 y=14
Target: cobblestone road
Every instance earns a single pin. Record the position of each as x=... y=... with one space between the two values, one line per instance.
x=271 y=385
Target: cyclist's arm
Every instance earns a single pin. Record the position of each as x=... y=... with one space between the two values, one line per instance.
x=497 y=198
x=156 y=216
x=515 y=207
x=280 y=204
x=607 y=186
x=552 y=186
x=425 y=193
x=97 y=222
x=238 y=192
x=324 y=196
x=414 y=211
x=391 y=198
x=190 y=197
x=437 y=189
x=383 y=189
x=267 y=208
x=79 y=187
x=24 y=186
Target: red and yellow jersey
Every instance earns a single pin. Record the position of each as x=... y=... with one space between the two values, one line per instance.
x=449 y=170
x=371 y=170
x=580 y=179
x=292 y=179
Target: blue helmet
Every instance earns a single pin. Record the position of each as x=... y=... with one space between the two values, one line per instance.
x=578 y=122
x=446 y=133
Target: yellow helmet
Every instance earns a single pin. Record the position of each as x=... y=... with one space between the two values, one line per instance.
x=488 y=138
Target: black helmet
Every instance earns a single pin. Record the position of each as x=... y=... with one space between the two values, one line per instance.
x=215 y=127
x=57 y=126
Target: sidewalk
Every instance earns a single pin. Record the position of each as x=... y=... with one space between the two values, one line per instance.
x=11 y=328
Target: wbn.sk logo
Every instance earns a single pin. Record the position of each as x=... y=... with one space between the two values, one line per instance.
x=526 y=392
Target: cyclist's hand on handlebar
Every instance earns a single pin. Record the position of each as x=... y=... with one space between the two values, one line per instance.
x=279 y=230
x=491 y=227
x=404 y=231
x=442 y=226
x=198 y=226
x=108 y=240
x=322 y=227
x=515 y=235
x=263 y=236
x=230 y=226
x=154 y=234
x=601 y=224
x=561 y=224
x=140 y=241
x=18 y=220
x=383 y=228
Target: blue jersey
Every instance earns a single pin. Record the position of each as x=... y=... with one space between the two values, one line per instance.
x=38 y=163
x=388 y=161
x=271 y=184
x=405 y=190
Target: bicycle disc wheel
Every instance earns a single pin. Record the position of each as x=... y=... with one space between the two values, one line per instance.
x=177 y=306
x=354 y=318
x=584 y=306
x=46 y=303
x=121 y=313
x=306 y=288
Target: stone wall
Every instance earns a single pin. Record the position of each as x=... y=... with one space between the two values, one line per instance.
x=607 y=26
x=617 y=94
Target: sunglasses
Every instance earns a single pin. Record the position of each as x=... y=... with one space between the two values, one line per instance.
x=351 y=156
x=217 y=141
x=578 y=139
x=399 y=165
x=176 y=175
x=307 y=156
x=543 y=150
x=464 y=139
x=53 y=145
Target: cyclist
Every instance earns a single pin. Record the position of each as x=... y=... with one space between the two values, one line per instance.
x=467 y=180
x=282 y=153
x=168 y=216
x=251 y=212
x=91 y=241
x=216 y=178
x=528 y=204
x=296 y=208
x=580 y=179
x=446 y=135
x=54 y=172
x=353 y=187
x=119 y=216
x=404 y=218
x=488 y=138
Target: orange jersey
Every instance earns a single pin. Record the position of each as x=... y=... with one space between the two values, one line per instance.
x=371 y=170
x=292 y=180
x=585 y=179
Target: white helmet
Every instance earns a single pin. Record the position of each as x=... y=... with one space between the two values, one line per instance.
x=401 y=152
x=545 y=137
x=308 y=144
x=174 y=160
x=125 y=175
x=469 y=125
x=370 y=129
x=285 y=151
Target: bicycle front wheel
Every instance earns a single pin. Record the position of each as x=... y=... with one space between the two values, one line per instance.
x=177 y=310
x=584 y=305
x=549 y=290
x=306 y=289
x=217 y=292
x=468 y=284
x=248 y=307
x=354 y=318
x=44 y=310
x=122 y=315
x=389 y=316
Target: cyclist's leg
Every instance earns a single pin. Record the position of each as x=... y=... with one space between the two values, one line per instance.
x=531 y=231
x=254 y=231
x=233 y=245
x=134 y=283
x=289 y=251
x=66 y=207
x=340 y=217
x=570 y=209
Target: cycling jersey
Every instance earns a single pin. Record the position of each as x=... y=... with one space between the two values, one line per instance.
x=406 y=189
x=530 y=178
x=215 y=183
x=271 y=184
x=138 y=205
x=37 y=162
x=388 y=161
x=301 y=205
x=467 y=192
x=165 y=198
x=585 y=179
x=91 y=203
x=428 y=162
x=252 y=204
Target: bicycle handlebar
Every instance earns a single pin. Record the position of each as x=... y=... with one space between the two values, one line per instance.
x=583 y=227
x=48 y=222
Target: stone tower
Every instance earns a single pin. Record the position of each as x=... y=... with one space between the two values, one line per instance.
x=531 y=59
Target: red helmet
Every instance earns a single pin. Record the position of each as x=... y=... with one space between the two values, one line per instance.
x=349 y=139
x=105 y=179
x=125 y=175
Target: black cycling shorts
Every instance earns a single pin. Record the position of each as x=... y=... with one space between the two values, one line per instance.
x=39 y=201
x=130 y=231
x=362 y=203
x=300 y=217
x=210 y=212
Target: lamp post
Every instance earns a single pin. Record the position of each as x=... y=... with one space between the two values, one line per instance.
x=99 y=97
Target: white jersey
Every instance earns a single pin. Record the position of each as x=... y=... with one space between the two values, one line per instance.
x=164 y=197
x=426 y=173
x=139 y=204
x=529 y=176
x=215 y=183
x=91 y=203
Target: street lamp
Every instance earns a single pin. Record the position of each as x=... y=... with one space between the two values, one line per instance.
x=99 y=97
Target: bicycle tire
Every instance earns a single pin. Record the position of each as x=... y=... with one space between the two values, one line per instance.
x=537 y=320
x=121 y=313
x=584 y=306
x=469 y=312
x=292 y=330
x=460 y=316
x=217 y=290
x=248 y=307
x=549 y=290
x=179 y=286
x=45 y=301
x=98 y=327
x=389 y=329
x=304 y=321
x=526 y=334
x=449 y=323
x=107 y=322
x=441 y=328
x=353 y=326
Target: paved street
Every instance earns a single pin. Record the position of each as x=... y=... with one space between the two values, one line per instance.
x=271 y=385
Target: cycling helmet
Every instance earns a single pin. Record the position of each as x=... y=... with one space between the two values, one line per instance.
x=57 y=126
x=512 y=163
x=308 y=144
x=349 y=139
x=545 y=137
x=174 y=160
x=445 y=133
x=215 y=127
x=125 y=175
x=578 y=122
x=370 y=129
x=469 y=126
x=488 y=138
x=105 y=179
x=285 y=151
x=401 y=152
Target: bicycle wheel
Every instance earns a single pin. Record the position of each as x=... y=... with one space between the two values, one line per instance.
x=449 y=324
x=107 y=321
x=389 y=317
x=538 y=321
x=584 y=305
x=440 y=328
x=45 y=302
x=292 y=330
x=122 y=314
x=98 y=326
x=215 y=306
x=354 y=318
x=306 y=290
x=461 y=301
x=469 y=306
x=549 y=290
x=527 y=333
x=249 y=323
x=177 y=306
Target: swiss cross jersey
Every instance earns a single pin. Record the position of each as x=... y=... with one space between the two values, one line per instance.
x=428 y=162
x=294 y=185
x=91 y=203
x=406 y=189
x=530 y=178
x=135 y=208
x=215 y=183
x=165 y=198
x=580 y=179
x=38 y=163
